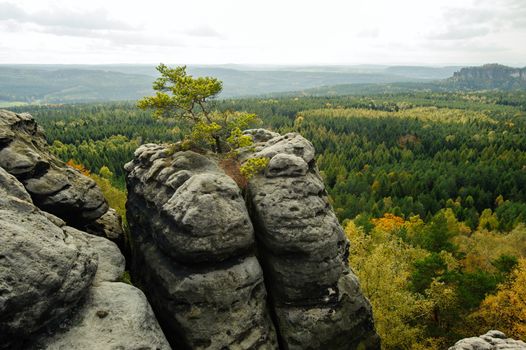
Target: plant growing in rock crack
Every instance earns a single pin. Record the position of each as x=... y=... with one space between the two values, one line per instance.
x=181 y=96
x=185 y=98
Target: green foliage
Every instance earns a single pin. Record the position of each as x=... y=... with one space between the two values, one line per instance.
x=253 y=166
x=116 y=198
x=126 y=278
x=183 y=97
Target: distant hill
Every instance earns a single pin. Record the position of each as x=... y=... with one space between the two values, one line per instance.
x=486 y=77
x=489 y=76
x=35 y=85
x=21 y=84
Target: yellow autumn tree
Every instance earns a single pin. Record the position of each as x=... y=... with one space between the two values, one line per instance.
x=506 y=310
x=383 y=263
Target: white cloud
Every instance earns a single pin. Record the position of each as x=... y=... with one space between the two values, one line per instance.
x=273 y=31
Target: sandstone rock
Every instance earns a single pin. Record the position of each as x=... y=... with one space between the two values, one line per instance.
x=111 y=262
x=193 y=254
x=57 y=284
x=261 y=135
x=492 y=340
x=212 y=307
x=291 y=143
x=206 y=218
x=53 y=187
x=109 y=226
x=114 y=316
x=286 y=165
x=316 y=298
x=44 y=269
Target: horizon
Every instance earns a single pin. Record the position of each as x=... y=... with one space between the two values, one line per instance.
x=293 y=33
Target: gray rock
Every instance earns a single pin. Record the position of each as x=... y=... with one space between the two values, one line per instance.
x=492 y=340
x=283 y=164
x=205 y=219
x=53 y=186
x=111 y=262
x=193 y=254
x=109 y=226
x=261 y=135
x=57 y=284
x=44 y=270
x=317 y=300
x=291 y=143
x=212 y=307
x=114 y=316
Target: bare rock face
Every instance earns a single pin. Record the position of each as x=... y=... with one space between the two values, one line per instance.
x=315 y=297
x=59 y=286
x=214 y=281
x=53 y=187
x=492 y=340
x=193 y=252
x=44 y=270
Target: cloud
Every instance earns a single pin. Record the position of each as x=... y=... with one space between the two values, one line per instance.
x=461 y=33
x=97 y=19
x=204 y=31
x=94 y=24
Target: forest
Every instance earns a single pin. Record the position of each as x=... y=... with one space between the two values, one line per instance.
x=430 y=187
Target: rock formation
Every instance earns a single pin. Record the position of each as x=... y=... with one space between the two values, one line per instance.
x=199 y=260
x=492 y=340
x=316 y=299
x=59 y=286
x=489 y=76
x=193 y=252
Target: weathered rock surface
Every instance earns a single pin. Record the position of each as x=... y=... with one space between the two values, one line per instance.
x=109 y=226
x=53 y=187
x=113 y=316
x=44 y=270
x=492 y=340
x=58 y=285
x=315 y=297
x=193 y=252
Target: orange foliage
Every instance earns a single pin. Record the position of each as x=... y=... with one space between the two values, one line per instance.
x=389 y=222
x=73 y=164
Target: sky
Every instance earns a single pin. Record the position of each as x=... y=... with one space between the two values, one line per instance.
x=283 y=32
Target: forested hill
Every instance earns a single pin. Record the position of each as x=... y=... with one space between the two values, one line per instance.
x=41 y=84
x=489 y=76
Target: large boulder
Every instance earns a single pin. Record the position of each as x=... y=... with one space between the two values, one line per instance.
x=59 y=286
x=316 y=298
x=193 y=251
x=113 y=316
x=44 y=270
x=492 y=340
x=53 y=186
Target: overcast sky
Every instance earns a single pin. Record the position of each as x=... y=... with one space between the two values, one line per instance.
x=434 y=32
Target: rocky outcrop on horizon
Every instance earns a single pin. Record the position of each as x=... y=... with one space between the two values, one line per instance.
x=489 y=76
x=59 y=286
x=267 y=271
x=492 y=340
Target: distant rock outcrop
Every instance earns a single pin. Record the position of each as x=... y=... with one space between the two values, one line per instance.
x=59 y=286
x=199 y=260
x=492 y=340
x=489 y=76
